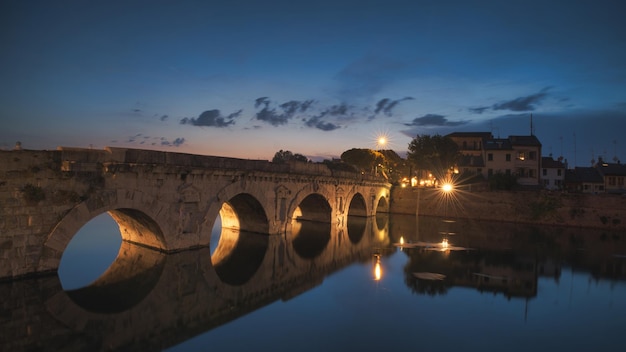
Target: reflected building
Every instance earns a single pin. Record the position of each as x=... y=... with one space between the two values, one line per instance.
x=503 y=258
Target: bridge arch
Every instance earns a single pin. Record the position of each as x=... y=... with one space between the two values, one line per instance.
x=134 y=214
x=230 y=203
x=381 y=203
x=244 y=236
x=357 y=205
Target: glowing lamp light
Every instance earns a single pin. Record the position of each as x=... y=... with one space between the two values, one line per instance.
x=447 y=187
x=378 y=271
x=381 y=140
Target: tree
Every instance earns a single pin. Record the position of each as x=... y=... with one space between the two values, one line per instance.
x=283 y=156
x=364 y=160
x=437 y=153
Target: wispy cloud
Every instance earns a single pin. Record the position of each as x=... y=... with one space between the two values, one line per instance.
x=434 y=120
x=368 y=76
x=387 y=105
x=176 y=143
x=520 y=104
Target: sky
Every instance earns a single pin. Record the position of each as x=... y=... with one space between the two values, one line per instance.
x=245 y=79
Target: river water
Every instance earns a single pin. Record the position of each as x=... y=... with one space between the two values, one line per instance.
x=390 y=283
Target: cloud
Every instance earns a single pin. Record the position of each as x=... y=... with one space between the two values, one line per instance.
x=479 y=110
x=368 y=76
x=434 y=120
x=212 y=118
x=164 y=117
x=526 y=103
x=176 y=143
x=283 y=113
x=386 y=105
x=317 y=122
x=261 y=101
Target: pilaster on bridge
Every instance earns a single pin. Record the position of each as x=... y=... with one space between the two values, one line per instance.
x=164 y=201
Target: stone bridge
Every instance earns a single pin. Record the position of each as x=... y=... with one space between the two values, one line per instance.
x=164 y=201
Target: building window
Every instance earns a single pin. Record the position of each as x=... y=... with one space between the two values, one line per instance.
x=611 y=181
x=490 y=157
x=464 y=144
x=531 y=173
x=479 y=171
x=545 y=172
x=521 y=156
x=559 y=172
x=508 y=157
x=620 y=181
x=532 y=155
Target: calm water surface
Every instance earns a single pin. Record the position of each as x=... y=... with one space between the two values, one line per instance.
x=389 y=283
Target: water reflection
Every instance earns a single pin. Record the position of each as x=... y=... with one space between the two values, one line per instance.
x=310 y=238
x=502 y=258
x=433 y=279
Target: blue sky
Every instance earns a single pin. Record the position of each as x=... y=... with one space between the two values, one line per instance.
x=248 y=78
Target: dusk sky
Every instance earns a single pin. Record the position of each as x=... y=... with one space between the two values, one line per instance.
x=247 y=78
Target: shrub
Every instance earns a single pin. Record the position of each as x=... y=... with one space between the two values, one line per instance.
x=33 y=194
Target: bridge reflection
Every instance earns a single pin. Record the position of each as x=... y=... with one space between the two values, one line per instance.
x=149 y=300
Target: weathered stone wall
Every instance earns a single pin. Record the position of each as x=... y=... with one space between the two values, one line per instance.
x=602 y=211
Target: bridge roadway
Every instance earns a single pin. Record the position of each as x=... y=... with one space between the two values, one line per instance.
x=149 y=300
x=164 y=201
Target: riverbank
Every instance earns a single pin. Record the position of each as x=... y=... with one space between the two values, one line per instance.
x=599 y=211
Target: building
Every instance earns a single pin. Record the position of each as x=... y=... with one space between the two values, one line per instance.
x=482 y=154
x=584 y=180
x=613 y=175
x=552 y=173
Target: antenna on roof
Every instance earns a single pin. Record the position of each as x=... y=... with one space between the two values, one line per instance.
x=574 y=149
x=531 y=123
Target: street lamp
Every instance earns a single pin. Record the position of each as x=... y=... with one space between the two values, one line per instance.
x=381 y=141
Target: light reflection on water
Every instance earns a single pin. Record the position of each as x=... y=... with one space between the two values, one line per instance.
x=554 y=289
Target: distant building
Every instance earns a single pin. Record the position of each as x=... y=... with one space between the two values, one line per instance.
x=614 y=175
x=584 y=180
x=484 y=155
x=552 y=173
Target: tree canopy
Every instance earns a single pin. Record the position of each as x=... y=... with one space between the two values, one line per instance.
x=435 y=153
x=283 y=156
x=364 y=160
